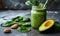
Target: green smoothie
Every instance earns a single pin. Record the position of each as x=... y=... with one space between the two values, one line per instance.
x=38 y=16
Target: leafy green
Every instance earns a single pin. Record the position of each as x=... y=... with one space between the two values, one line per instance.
x=57 y=26
x=17 y=19
x=23 y=29
x=13 y=19
x=28 y=3
x=35 y=3
x=20 y=24
x=24 y=24
x=8 y=23
x=26 y=19
x=21 y=21
x=32 y=2
x=41 y=5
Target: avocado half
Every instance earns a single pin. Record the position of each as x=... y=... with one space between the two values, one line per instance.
x=47 y=26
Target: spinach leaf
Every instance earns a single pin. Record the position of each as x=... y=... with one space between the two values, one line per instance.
x=29 y=3
x=26 y=19
x=8 y=23
x=35 y=3
x=17 y=19
x=24 y=24
x=21 y=21
x=23 y=29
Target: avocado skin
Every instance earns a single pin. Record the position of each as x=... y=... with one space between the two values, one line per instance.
x=53 y=29
x=50 y=30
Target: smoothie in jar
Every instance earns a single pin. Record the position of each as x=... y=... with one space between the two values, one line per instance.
x=38 y=16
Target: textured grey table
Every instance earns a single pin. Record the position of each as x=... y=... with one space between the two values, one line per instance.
x=7 y=15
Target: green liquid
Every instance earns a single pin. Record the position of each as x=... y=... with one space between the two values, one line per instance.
x=37 y=17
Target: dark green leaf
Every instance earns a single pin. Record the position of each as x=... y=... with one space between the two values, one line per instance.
x=17 y=19
x=26 y=19
x=35 y=3
x=24 y=24
x=23 y=29
x=13 y=19
x=20 y=23
x=41 y=5
x=28 y=3
x=8 y=23
x=57 y=26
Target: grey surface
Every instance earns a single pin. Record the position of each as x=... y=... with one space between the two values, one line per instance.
x=7 y=15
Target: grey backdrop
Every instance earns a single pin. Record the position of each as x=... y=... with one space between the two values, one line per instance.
x=20 y=4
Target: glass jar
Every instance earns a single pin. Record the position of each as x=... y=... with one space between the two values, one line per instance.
x=38 y=16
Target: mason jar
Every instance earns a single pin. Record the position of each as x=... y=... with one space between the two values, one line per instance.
x=38 y=16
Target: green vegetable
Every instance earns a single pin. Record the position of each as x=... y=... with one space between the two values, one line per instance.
x=26 y=19
x=13 y=19
x=20 y=24
x=8 y=23
x=57 y=26
x=47 y=25
x=32 y=3
x=0 y=24
x=17 y=19
x=21 y=21
x=23 y=29
x=41 y=5
x=24 y=24
x=28 y=3
x=35 y=3
x=50 y=26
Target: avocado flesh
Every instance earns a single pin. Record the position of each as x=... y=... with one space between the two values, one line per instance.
x=46 y=25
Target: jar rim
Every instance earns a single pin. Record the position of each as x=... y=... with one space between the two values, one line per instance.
x=37 y=8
